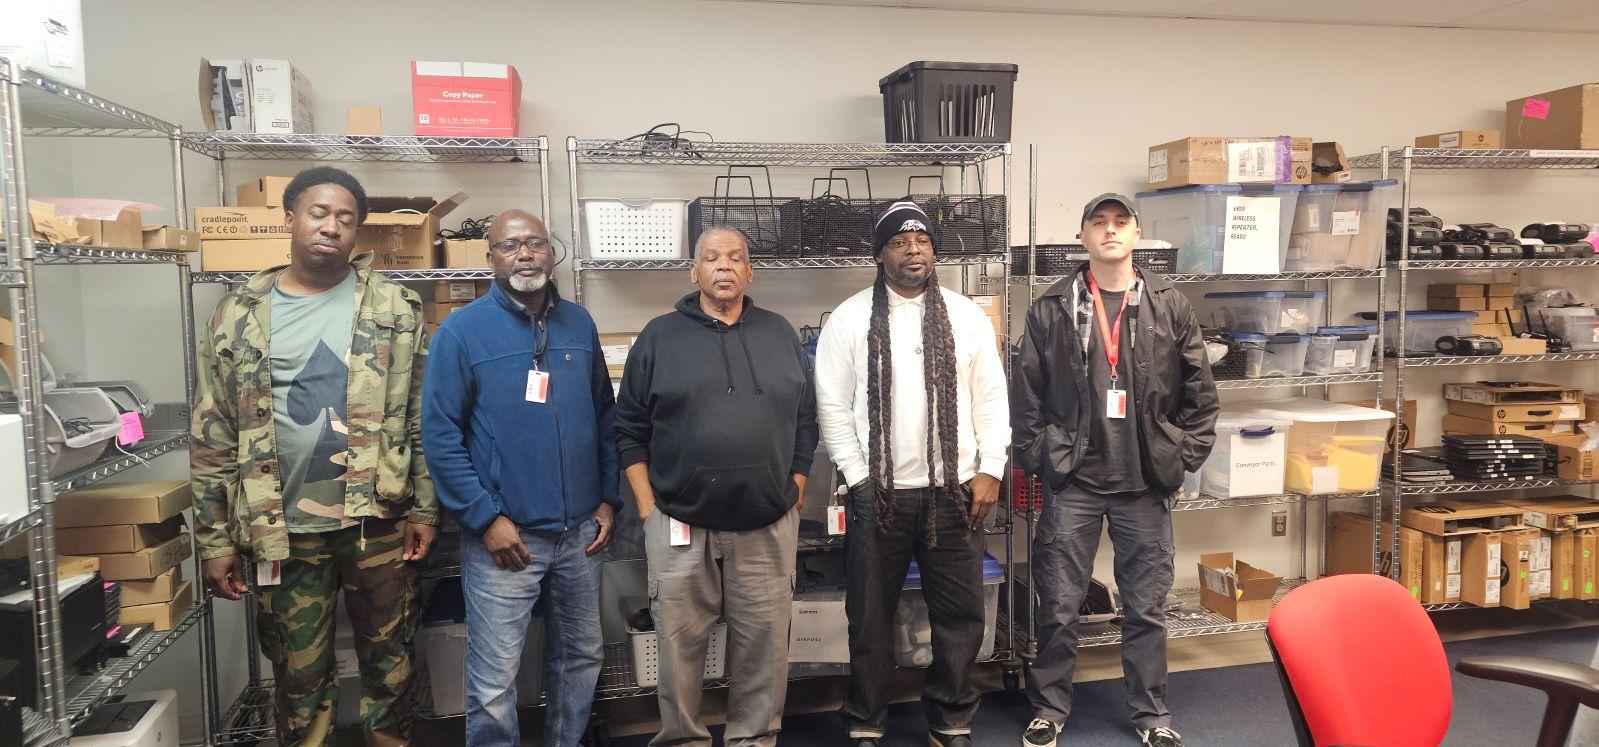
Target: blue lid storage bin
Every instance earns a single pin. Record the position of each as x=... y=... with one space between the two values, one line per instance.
x=1271 y=356
x=1422 y=328
x=1340 y=226
x=1195 y=219
x=1341 y=350
x=913 y=634
x=1267 y=312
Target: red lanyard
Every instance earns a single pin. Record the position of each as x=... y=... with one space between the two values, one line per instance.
x=1110 y=335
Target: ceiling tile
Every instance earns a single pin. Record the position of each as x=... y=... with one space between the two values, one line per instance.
x=1541 y=15
x=1377 y=12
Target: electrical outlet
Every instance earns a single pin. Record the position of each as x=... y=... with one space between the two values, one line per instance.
x=1279 y=523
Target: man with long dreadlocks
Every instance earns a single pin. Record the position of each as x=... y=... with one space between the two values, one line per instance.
x=910 y=396
x=1114 y=402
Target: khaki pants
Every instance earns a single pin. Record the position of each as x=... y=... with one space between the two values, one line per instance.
x=747 y=580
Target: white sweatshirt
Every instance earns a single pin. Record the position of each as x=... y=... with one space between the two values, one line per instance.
x=984 y=410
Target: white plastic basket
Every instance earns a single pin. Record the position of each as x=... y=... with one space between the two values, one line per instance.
x=646 y=659
x=635 y=228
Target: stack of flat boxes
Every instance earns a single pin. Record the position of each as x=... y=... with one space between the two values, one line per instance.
x=1562 y=563
x=1495 y=307
x=248 y=236
x=135 y=529
x=446 y=297
x=1463 y=544
x=1522 y=408
x=1571 y=461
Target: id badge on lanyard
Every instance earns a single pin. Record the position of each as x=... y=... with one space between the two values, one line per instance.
x=538 y=382
x=1111 y=340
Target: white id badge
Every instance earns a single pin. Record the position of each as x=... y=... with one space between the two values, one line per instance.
x=678 y=532
x=268 y=573
x=835 y=520
x=538 y=387
x=1116 y=403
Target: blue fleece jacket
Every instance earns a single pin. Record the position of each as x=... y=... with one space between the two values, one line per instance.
x=546 y=466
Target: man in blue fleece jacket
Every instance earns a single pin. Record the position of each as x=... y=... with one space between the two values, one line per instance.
x=517 y=430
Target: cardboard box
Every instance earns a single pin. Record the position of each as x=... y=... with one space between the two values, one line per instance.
x=58 y=223
x=1456 y=290
x=1501 y=303
x=1499 y=289
x=1481 y=567
x=465 y=99
x=1328 y=164
x=1558 y=512
x=217 y=223
x=116 y=538
x=252 y=255
x=225 y=95
x=1445 y=518
x=363 y=120
x=467 y=254
x=1563 y=550
x=1572 y=462
x=615 y=346
x=123 y=503
x=1491 y=329
x=1540 y=567
x=1519 y=392
x=46 y=37
x=1587 y=544
x=264 y=192
x=1440 y=569
x=1475 y=303
x=1237 y=590
x=169 y=239
x=463 y=291
x=1517 y=549
x=147 y=563
x=162 y=588
x=1509 y=345
x=255 y=95
x=1223 y=160
x=1457 y=424
x=1513 y=317
x=1461 y=140
x=1517 y=413
x=1567 y=119
x=163 y=615
x=404 y=240
x=1349 y=549
x=68 y=566
x=434 y=312
x=994 y=307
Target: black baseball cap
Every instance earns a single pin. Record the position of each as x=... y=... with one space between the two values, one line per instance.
x=1121 y=199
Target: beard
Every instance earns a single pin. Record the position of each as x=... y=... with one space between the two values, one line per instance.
x=523 y=284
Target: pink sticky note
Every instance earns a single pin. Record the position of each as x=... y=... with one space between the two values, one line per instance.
x=132 y=429
x=1535 y=109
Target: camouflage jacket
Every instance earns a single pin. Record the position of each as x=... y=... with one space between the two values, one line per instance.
x=233 y=454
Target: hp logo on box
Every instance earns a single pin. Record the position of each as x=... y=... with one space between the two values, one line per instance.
x=423 y=119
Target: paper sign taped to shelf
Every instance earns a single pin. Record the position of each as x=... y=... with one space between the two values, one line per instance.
x=1251 y=244
x=1252 y=161
x=1535 y=109
x=1346 y=222
x=1560 y=154
x=132 y=429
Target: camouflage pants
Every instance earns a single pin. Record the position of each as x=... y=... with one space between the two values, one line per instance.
x=295 y=620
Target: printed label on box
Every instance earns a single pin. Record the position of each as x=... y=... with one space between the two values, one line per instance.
x=1541 y=550
x=1536 y=518
x=1253 y=235
x=1535 y=109
x=1345 y=222
x=1570 y=412
x=1452 y=587
x=1451 y=140
x=1158 y=174
x=615 y=355
x=1452 y=556
x=1344 y=358
x=1252 y=162
x=1491 y=569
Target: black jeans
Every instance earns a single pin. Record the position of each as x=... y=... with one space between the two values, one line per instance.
x=952 y=582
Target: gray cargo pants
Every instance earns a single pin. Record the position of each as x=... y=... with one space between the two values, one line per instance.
x=1063 y=564
x=747 y=580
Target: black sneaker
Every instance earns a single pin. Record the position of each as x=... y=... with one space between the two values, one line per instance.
x=1160 y=736
x=940 y=739
x=1041 y=732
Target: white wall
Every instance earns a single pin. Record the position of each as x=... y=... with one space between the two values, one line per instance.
x=1093 y=93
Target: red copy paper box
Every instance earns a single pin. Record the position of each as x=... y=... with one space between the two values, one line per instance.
x=465 y=99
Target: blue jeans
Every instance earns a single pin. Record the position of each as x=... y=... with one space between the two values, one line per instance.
x=498 y=605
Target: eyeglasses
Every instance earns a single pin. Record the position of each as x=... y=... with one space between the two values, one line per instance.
x=901 y=243
x=513 y=247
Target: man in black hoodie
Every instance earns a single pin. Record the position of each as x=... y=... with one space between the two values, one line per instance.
x=716 y=425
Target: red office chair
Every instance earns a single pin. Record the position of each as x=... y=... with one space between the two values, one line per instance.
x=1361 y=664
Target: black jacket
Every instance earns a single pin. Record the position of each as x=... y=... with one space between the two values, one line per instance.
x=1174 y=397
x=724 y=414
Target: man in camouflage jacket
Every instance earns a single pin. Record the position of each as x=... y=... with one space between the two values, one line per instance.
x=307 y=467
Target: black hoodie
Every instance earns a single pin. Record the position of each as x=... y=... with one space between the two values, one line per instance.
x=724 y=414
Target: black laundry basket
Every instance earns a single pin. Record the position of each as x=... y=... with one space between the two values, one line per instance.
x=838 y=226
x=948 y=102
x=771 y=224
x=963 y=224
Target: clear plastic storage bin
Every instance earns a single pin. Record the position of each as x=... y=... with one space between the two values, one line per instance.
x=1332 y=447
x=1422 y=328
x=1340 y=226
x=1341 y=350
x=1269 y=312
x=913 y=633
x=1577 y=325
x=1267 y=356
x=1195 y=220
x=1250 y=456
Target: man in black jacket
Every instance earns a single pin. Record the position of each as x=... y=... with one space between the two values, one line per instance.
x=716 y=425
x=1113 y=403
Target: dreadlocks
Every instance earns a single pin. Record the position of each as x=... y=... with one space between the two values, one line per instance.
x=939 y=376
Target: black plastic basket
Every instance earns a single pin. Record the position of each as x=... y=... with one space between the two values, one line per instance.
x=1064 y=259
x=963 y=224
x=1234 y=364
x=838 y=226
x=771 y=224
x=948 y=102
